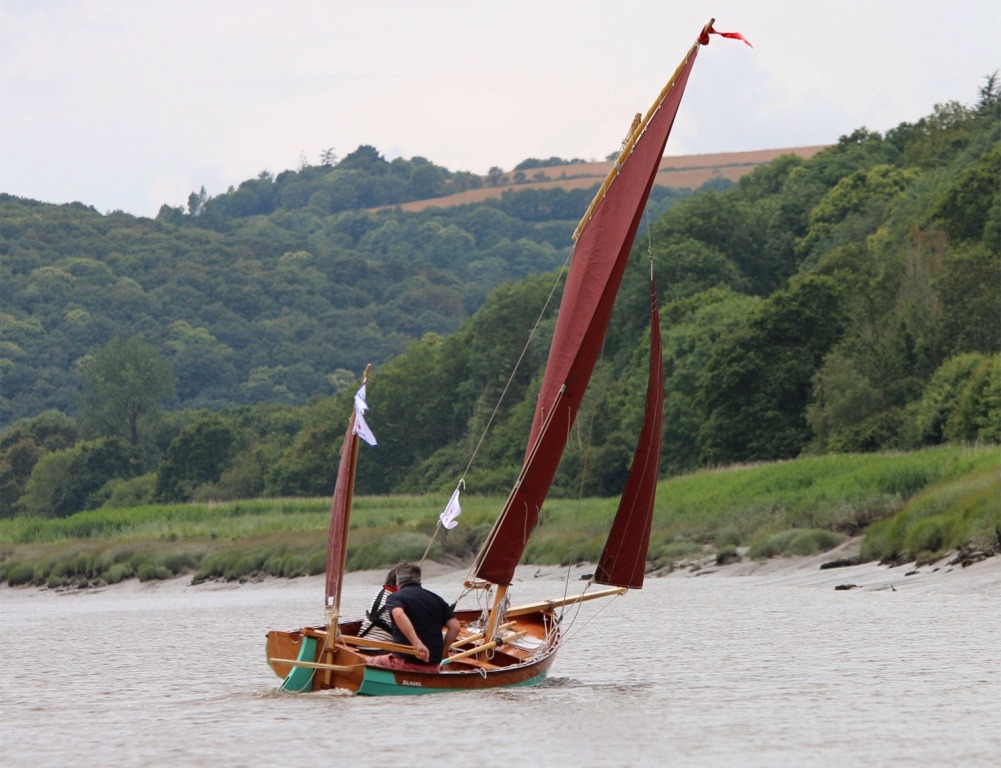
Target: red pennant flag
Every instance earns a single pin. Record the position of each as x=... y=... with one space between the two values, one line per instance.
x=708 y=30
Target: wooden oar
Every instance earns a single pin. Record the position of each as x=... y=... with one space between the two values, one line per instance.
x=384 y=645
x=479 y=635
x=312 y=665
x=485 y=647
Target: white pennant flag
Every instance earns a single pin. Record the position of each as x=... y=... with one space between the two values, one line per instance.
x=452 y=511
x=361 y=405
x=361 y=429
x=361 y=426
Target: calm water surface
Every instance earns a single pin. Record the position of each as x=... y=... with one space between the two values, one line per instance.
x=689 y=671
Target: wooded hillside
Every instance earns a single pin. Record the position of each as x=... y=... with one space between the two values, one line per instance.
x=263 y=294
x=845 y=302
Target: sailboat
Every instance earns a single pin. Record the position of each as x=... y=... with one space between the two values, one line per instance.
x=501 y=645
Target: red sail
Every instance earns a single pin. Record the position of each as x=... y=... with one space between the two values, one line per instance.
x=599 y=260
x=623 y=562
x=340 y=515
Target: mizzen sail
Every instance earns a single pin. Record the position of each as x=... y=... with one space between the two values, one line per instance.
x=623 y=561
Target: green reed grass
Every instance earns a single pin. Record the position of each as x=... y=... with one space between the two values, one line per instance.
x=795 y=541
x=949 y=496
x=956 y=513
x=842 y=493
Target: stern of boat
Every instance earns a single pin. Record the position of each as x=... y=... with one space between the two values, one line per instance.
x=305 y=663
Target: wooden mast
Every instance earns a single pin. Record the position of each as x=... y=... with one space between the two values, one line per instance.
x=494 y=618
x=340 y=518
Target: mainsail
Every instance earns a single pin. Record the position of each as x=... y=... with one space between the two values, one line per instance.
x=598 y=262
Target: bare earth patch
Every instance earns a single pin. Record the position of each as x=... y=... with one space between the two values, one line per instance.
x=679 y=172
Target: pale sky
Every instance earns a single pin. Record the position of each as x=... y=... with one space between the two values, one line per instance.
x=132 y=104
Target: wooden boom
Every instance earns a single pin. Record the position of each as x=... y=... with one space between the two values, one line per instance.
x=582 y=598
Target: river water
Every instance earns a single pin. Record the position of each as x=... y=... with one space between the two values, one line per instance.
x=766 y=669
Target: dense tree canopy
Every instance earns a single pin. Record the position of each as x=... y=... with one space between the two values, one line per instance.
x=844 y=303
x=251 y=299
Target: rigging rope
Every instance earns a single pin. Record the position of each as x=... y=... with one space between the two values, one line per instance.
x=507 y=386
x=517 y=364
x=567 y=637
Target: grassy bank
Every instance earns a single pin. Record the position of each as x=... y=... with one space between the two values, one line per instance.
x=914 y=505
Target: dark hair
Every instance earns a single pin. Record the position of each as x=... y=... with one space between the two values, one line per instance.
x=390 y=578
x=408 y=573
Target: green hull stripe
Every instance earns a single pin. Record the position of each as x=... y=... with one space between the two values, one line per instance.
x=382 y=682
x=301 y=678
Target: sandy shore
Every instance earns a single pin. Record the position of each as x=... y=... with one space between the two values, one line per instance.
x=941 y=576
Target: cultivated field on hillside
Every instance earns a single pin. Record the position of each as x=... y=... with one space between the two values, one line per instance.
x=683 y=171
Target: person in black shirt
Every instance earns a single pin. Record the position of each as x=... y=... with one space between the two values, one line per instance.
x=418 y=617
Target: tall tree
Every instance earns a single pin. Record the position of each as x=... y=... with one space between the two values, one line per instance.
x=756 y=384
x=22 y=446
x=123 y=382
x=198 y=455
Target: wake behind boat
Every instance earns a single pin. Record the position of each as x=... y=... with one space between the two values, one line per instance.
x=500 y=645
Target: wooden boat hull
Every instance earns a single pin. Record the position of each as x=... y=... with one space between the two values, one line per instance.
x=305 y=663
x=386 y=682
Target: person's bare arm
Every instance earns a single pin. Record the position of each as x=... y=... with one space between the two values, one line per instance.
x=402 y=622
x=451 y=632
